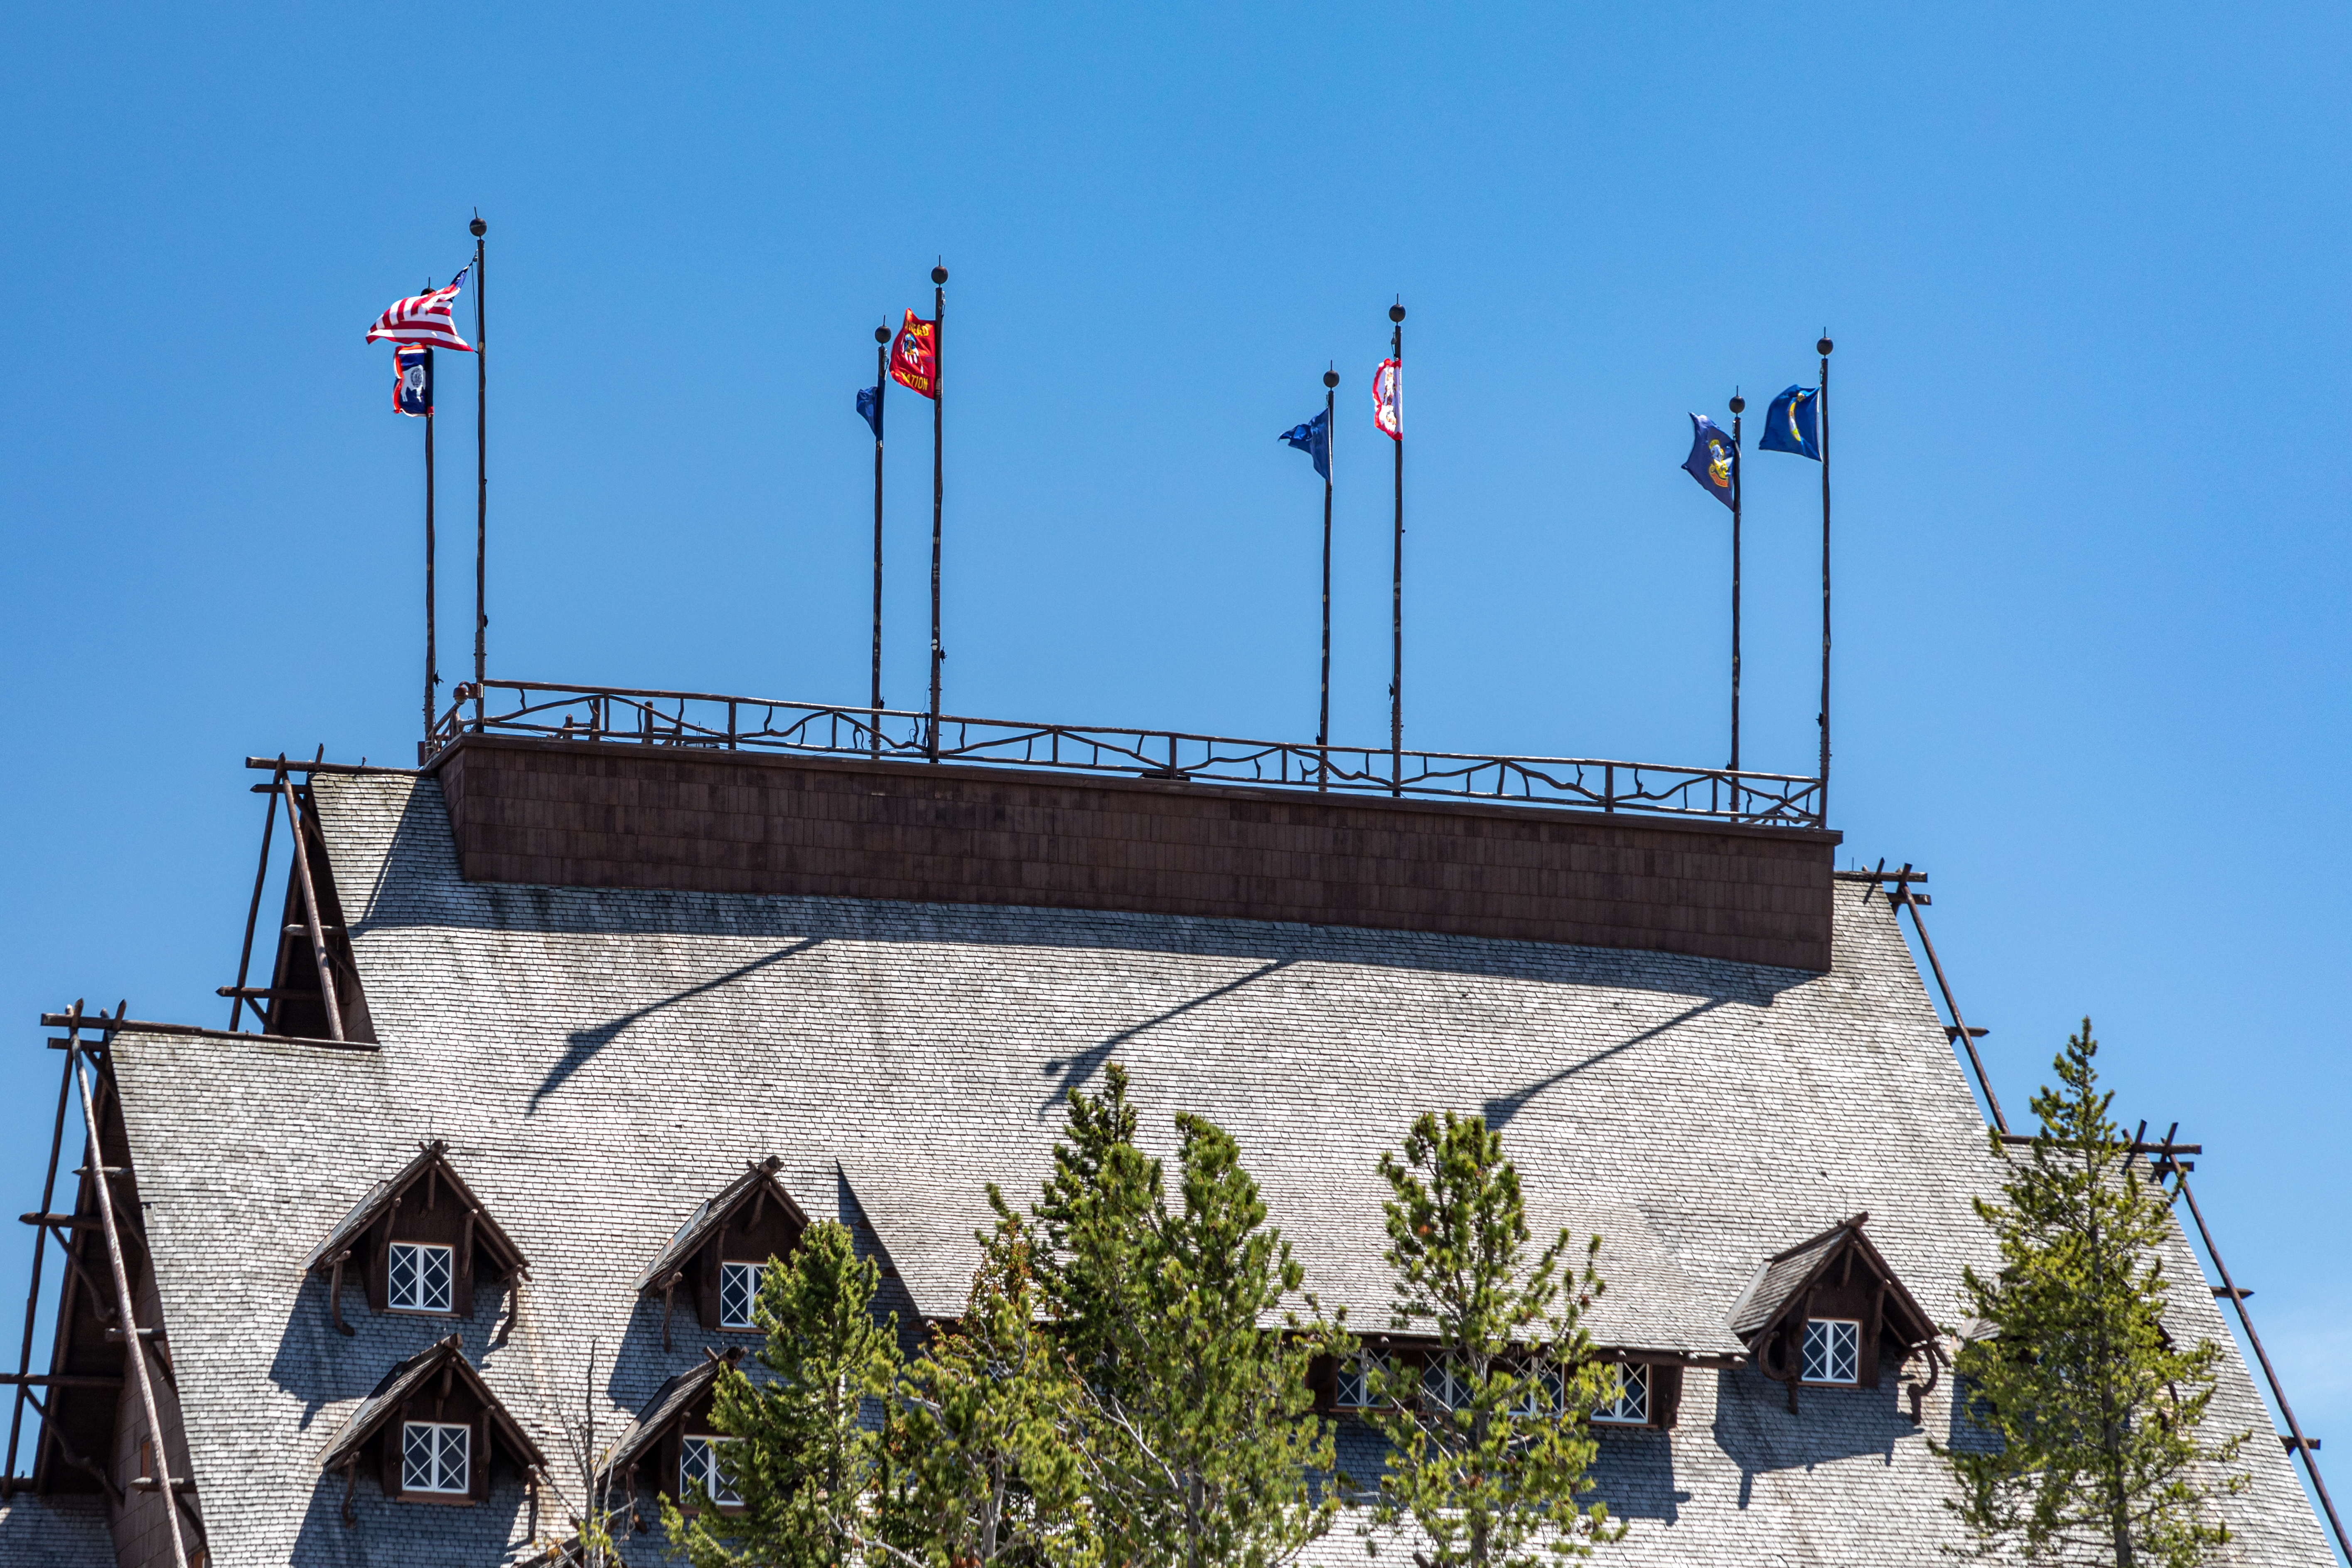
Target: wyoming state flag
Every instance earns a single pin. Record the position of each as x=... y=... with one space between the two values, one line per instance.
x=915 y=356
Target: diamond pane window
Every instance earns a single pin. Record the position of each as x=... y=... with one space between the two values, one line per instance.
x=434 y=1456
x=1540 y=1394
x=698 y=1465
x=420 y=1278
x=739 y=1288
x=1443 y=1385
x=1624 y=1396
x=1832 y=1350
x=1355 y=1383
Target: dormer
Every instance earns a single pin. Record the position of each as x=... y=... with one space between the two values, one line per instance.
x=1828 y=1310
x=721 y=1254
x=419 y=1240
x=432 y=1431
x=673 y=1443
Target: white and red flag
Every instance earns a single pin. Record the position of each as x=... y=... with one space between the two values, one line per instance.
x=424 y=319
x=1387 y=399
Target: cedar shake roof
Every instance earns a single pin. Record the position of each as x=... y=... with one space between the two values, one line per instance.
x=384 y=1404
x=758 y=1181
x=601 y=1060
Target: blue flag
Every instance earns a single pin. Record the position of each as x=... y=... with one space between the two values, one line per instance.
x=869 y=406
x=1789 y=425
x=1314 y=438
x=1711 y=459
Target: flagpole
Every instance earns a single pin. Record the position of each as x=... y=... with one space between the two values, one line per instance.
x=1739 y=404
x=881 y=378
x=1323 y=723
x=481 y=468
x=939 y=426
x=1396 y=605
x=1824 y=348
x=432 y=672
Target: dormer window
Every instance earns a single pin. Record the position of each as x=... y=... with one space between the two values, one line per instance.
x=420 y=1242
x=422 y=1277
x=720 y=1253
x=1832 y=1350
x=1829 y=1312
x=430 y=1432
x=698 y=1465
x=1624 y=1396
x=738 y=1292
x=673 y=1445
x=434 y=1456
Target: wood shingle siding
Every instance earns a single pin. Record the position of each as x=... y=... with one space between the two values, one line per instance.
x=570 y=813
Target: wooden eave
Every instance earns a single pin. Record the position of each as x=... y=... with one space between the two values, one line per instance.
x=380 y=1409
x=714 y=1213
x=433 y=1157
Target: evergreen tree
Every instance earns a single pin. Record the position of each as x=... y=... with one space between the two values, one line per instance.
x=806 y=1462
x=982 y=1432
x=2093 y=1416
x=1202 y=1444
x=1490 y=1448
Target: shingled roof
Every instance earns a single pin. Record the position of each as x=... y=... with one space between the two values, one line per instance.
x=600 y=1059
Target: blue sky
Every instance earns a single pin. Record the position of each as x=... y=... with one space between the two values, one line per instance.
x=2083 y=266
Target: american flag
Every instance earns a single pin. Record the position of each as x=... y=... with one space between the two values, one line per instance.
x=424 y=319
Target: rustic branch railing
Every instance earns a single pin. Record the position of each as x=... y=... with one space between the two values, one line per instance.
x=707 y=721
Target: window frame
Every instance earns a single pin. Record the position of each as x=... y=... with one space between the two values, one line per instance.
x=727 y=1499
x=750 y=1322
x=1608 y=1412
x=1852 y=1327
x=1359 y=1367
x=465 y=1488
x=391 y=1268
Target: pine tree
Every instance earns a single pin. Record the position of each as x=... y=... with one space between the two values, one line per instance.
x=1202 y=1446
x=981 y=1440
x=2087 y=1418
x=1490 y=1449
x=806 y=1463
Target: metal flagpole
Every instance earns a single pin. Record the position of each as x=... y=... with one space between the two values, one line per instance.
x=939 y=426
x=1823 y=418
x=881 y=379
x=481 y=468
x=1739 y=404
x=1396 y=605
x=432 y=665
x=1323 y=723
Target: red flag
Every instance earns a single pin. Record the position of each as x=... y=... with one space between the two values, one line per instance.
x=1387 y=399
x=915 y=356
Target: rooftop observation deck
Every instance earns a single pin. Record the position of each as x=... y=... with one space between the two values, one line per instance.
x=613 y=787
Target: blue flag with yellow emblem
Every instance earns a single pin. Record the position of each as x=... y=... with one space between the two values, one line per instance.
x=1712 y=458
x=1789 y=426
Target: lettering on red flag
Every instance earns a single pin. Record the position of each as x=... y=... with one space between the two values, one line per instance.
x=915 y=356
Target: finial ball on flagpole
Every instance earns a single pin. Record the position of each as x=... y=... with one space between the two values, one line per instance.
x=478 y=228
x=1396 y=313
x=1331 y=378
x=881 y=334
x=939 y=274
x=1823 y=347
x=1738 y=404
